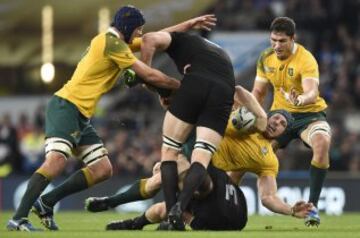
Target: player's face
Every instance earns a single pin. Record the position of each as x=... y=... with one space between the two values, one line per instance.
x=276 y=126
x=282 y=44
x=136 y=33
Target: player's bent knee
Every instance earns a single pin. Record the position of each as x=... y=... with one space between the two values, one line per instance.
x=319 y=131
x=53 y=165
x=160 y=210
x=101 y=169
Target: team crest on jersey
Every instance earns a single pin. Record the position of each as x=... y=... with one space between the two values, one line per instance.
x=290 y=72
x=264 y=150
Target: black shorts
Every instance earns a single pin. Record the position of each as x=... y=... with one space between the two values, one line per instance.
x=224 y=208
x=203 y=102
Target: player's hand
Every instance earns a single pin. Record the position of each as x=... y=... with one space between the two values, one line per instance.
x=205 y=22
x=261 y=124
x=301 y=209
x=130 y=78
x=293 y=97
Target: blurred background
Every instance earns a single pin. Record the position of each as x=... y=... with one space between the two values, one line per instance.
x=42 y=41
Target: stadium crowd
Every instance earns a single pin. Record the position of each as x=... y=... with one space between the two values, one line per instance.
x=131 y=125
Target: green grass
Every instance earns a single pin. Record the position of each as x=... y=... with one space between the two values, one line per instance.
x=82 y=224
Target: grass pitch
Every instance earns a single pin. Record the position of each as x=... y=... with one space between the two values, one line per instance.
x=84 y=224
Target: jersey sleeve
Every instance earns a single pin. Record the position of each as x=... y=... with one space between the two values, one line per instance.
x=260 y=68
x=135 y=46
x=310 y=68
x=120 y=53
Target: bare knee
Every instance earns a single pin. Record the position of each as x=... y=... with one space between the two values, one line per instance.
x=168 y=153
x=321 y=146
x=101 y=169
x=160 y=210
x=54 y=164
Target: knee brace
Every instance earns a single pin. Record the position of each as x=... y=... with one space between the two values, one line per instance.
x=55 y=144
x=205 y=146
x=319 y=128
x=171 y=143
x=93 y=153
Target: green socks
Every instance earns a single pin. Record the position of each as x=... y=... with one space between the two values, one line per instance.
x=317 y=177
x=36 y=185
x=136 y=192
x=75 y=183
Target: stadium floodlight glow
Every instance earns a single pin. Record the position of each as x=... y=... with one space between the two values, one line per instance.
x=47 y=72
x=103 y=19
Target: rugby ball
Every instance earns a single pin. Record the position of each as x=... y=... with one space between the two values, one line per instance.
x=242 y=119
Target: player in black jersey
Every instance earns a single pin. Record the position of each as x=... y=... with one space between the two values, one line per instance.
x=223 y=208
x=204 y=101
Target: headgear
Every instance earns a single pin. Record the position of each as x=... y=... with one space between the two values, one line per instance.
x=127 y=19
x=289 y=118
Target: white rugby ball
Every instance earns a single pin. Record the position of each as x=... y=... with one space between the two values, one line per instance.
x=242 y=119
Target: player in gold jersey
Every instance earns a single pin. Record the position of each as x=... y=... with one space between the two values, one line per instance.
x=237 y=153
x=293 y=73
x=68 y=128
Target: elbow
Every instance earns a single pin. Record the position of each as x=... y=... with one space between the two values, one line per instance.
x=258 y=95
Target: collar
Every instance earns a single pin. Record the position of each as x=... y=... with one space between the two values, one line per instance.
x=294 y=48
x=113 y=31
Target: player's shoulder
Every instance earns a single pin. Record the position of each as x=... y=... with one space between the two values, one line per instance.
x=114 y=44
x=305 y=53
x=268 y=52
x=264 y=55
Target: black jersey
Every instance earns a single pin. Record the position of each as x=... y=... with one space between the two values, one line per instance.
x=223 y=209
x=205 y=57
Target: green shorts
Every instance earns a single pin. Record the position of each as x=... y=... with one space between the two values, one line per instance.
x=301 y=122
x=65 y=121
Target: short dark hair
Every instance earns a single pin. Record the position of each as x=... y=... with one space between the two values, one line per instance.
x=283 y=24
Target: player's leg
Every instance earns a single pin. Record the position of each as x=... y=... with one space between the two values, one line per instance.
x=140 y=190
x=318 y=136
x=51 y=168
x=207 y=140
x=175 y=132
x=60 y=122
x=154 y=214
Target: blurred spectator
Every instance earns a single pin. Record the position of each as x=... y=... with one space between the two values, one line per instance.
x=32 y=149
x=9 y=150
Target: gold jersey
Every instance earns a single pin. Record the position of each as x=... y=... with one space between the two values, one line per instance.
x=98 y=71
x=288 y=74
x=246 y=153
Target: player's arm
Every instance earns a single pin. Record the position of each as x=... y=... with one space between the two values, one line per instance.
x=205 y=22
x=259 y=90
x=154 y=77
x=309 y=72
x=243 y=97
x=151 y=42
x=267 y=188
x=310 y=87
